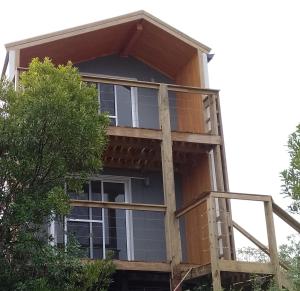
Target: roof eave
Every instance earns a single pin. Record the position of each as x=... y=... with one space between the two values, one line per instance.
x=141 y=14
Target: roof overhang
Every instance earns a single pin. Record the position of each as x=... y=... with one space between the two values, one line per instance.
x=138 y=34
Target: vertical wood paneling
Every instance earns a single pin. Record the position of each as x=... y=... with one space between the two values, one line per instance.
x=196 y=180
x=189 y=106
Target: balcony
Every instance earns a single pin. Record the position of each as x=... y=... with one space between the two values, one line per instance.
x=140 y=112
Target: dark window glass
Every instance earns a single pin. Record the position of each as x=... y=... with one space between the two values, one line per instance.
x=114 y=192
x=78 y=212
x=97 y=241
x=107 y=99
x=115 y=233
x=96 y=213
x=96 y=190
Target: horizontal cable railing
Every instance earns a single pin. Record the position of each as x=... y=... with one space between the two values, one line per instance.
x=132 y=103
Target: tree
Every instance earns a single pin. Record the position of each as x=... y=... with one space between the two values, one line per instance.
x=50 y=129
x=291 y=176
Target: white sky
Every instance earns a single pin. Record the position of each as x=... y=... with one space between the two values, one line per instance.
x=256 y=66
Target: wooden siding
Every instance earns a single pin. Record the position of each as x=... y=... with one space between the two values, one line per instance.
x=195 y=181
x=189 y=106
x=154 y=46
x=196 y=178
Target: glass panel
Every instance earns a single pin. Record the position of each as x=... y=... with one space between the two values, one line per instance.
x=97 y=240
x=114 y=192
x=96 y=213
x=83 y=195
x=107 y=99
x=115 y=233
x=123 y=94
x=96 y=190
x=148 y=108
x=79 y=212
x=81 y=231
x=149 y=236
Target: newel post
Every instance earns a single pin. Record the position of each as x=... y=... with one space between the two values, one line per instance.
x=272 y=242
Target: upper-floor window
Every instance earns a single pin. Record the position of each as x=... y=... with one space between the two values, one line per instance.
x=121 y=103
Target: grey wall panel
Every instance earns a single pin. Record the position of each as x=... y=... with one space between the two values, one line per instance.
x=148 y=227
x=128 y=67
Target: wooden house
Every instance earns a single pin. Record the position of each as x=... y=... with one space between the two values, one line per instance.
x=161 y=205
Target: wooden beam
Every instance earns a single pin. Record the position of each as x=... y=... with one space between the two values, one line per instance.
x=190 y=206
x=286 y=217
x=173 y=242
x=141 y=84
x=131 y=40
x=197 y=270
x=142 y=266
x=218 y=168
x=260 y=245
x=118 y=205
x=272 y=242
x=245 y=267
x=214 y=253
x=134 y=132
x=156 y=134
x=240 y=196
x=196 y=138
x=225 y=175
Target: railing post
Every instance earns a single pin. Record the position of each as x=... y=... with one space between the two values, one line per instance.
x=173 y=243
x=214 y=254
x=272 y=242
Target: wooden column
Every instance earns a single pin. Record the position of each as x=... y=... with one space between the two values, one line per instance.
x=272 y=242
x=213 y=242
x=220 y=179
x=173 y=243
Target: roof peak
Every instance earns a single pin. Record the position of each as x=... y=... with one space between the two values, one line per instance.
x=140 y=14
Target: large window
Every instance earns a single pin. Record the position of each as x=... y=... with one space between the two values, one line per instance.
x=126 y=234
x=101 y=231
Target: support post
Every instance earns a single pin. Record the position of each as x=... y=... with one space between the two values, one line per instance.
x=219 y=179
x=213 y=243
x=272 y=242
x=173 y=243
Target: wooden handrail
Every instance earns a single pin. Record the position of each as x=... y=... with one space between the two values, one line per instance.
x=141 y=84
x=260 y=245
x=118 y=205
x=286 y=217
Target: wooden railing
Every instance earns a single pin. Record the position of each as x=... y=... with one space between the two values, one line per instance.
x=274 y=267
x=208 y=114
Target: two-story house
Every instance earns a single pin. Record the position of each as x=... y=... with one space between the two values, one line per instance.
x=161 y=204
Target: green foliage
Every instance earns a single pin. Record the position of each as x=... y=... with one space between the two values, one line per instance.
x=290 y=255
x=291 y=176
x=250 y=254
x=50 y=129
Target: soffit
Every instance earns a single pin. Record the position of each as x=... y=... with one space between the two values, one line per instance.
x=159 y=45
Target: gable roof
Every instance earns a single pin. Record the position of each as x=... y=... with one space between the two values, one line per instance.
x=138 y=15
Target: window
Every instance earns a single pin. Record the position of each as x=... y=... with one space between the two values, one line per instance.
x=121 y=104
x=100 y=230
